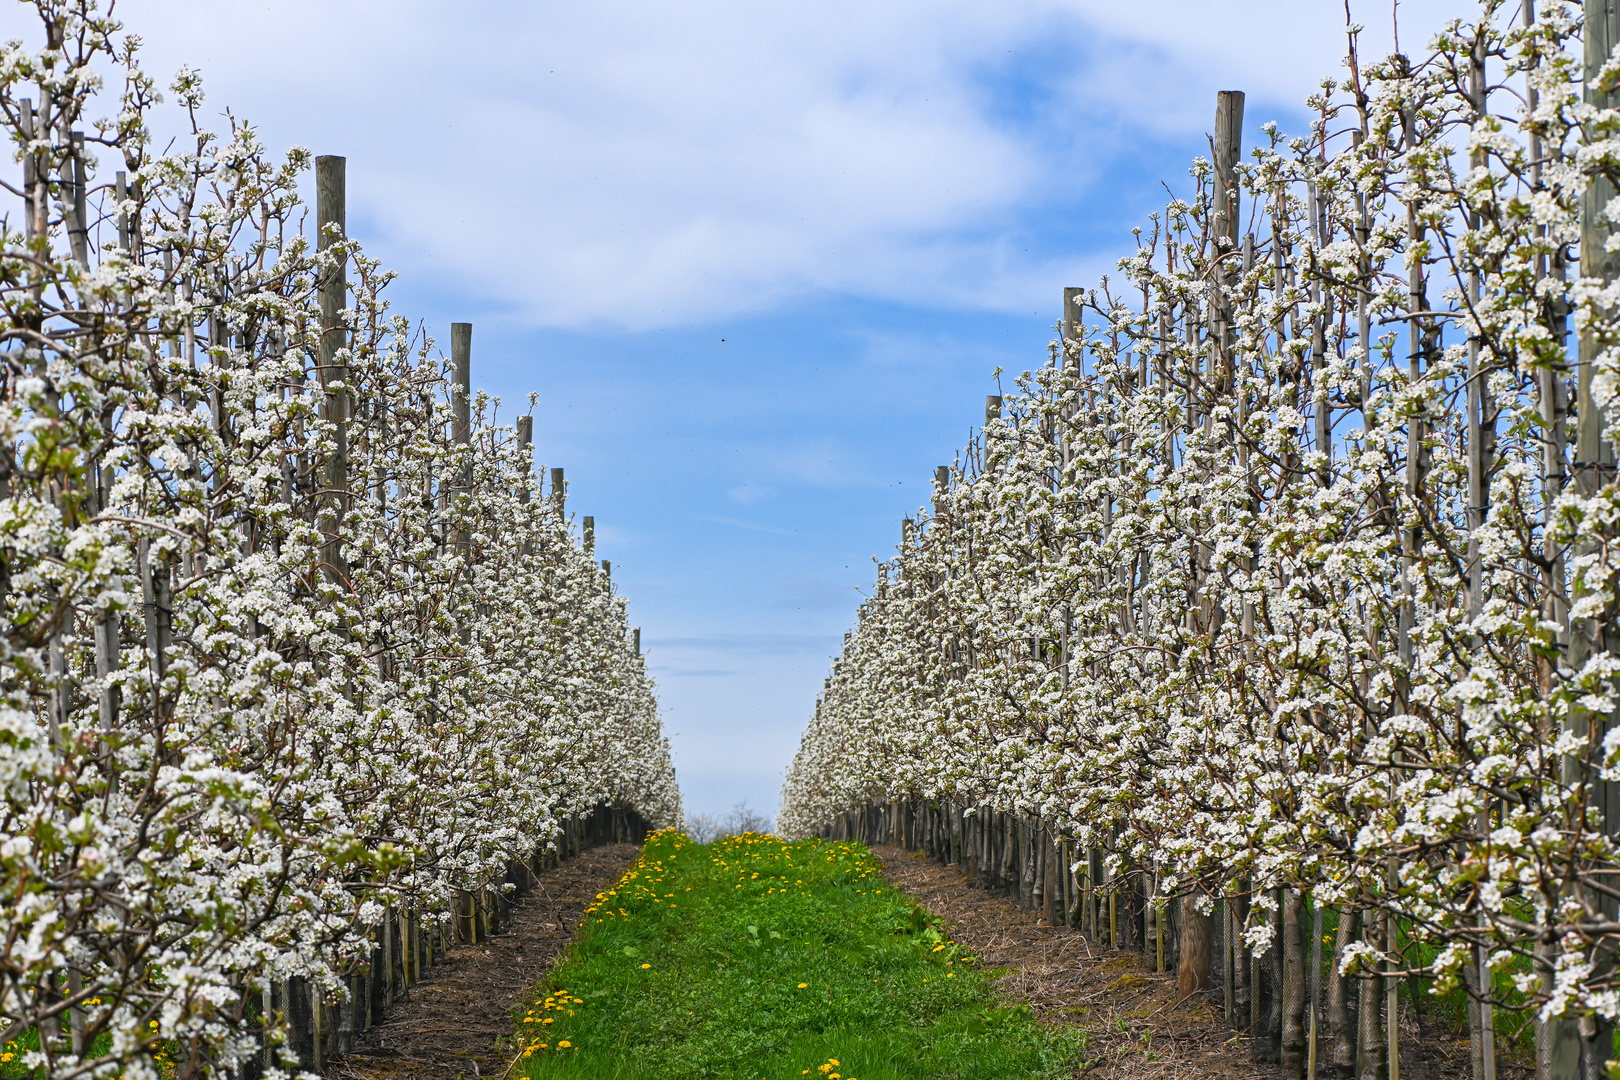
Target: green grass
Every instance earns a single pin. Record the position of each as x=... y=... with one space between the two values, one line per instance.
x=755 y=958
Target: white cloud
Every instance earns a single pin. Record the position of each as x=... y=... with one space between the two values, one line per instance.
x=638 y=164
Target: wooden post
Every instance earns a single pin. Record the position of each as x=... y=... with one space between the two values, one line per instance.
x=461 y=386
x=607 y=569
x=525 y=437
x=461 y=417
x=1227 y=147
x=73 y=184
x=1392 y=996
x=1073 y=325
x=1228 y=144
x=30 y=177
x=159 y=616
x=559 y=489
x=588 y=530
x=1321 y=407
x=108 y=661
x=121 y=193
x=331 y=230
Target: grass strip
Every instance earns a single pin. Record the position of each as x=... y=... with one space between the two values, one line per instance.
x=766 y=960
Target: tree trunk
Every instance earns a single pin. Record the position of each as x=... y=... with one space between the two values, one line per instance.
x=1193 y=975
x=1341 y=1032
x=1370 y=1065
x=1270 y=1045
x=1004 y=873
x=972 y=837
x=1029 y=865
x=1292 y=1049
x=1243 y=987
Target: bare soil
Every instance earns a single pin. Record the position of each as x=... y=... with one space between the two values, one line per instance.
x=457 y=1021
x=1134 y=1025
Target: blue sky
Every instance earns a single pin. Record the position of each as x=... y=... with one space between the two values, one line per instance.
x=758 y=260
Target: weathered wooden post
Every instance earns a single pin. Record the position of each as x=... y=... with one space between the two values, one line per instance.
x=588 y=532
x=559 y=489
x=461 y=420
x=73 y=183
x=30 y=163
x=331 y=369
x=525 y=437
x=1228 y=141
x=1193 y=973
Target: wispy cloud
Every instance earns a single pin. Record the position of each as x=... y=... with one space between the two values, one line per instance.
x=640 y=164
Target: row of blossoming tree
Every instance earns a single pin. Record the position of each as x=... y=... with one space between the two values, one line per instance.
x=297 y=660
x=1287 y=588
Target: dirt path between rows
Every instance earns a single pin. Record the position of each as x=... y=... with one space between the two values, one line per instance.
x=449 y=1024
x=1135 y=1028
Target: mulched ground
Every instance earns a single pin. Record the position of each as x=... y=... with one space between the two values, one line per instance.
x=1136 y=1030
x=450 y=1025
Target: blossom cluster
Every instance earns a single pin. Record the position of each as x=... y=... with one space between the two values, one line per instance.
x=1295 y=566
x=290 y=635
